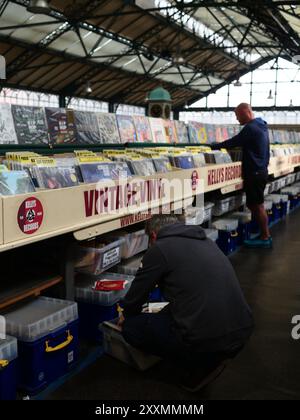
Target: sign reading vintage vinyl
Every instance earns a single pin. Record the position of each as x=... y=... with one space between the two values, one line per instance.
x=30 y=215
x=116 y=198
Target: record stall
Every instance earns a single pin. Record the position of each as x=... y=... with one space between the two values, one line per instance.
x=80 y=213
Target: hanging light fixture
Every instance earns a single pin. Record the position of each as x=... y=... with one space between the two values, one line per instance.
x=88 y=88
x=238 y=83
x=270 y=94
x=291 y=103
x=38 y=6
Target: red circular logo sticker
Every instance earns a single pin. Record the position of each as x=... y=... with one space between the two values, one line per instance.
x=30 y=215
x=195 y=178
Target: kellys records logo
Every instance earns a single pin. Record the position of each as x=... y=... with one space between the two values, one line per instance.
x=30 y=215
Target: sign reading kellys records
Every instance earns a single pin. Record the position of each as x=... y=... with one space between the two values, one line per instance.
x=30 y=215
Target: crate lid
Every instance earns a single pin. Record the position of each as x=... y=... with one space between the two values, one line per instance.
x=87 y=282
x=241 y=216
x=211 y=234
x=8 y=348
x=35 y=319
x=226 y=224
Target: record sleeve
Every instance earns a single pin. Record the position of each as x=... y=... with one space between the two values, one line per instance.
x=108 y=128
x=142 y=128
x=60 y=126
x=184 y=162
x=55 y=177
x=219 y=134
x=199 y=160
x=211 y=133
x=230 y=131
x=30 y=124
x=144 y=167
x=182 y=132
x=158 y=130
x=15 y=182
x=87 y=130
x=8 y=133
x=170 y=131
x=95 y=172
x=126 y=129
x=162 y=164
x=197 y=132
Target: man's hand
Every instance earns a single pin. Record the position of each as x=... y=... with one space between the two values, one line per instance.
x=121 y=321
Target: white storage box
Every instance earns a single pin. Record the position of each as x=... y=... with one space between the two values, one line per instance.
x=267 y=189
x=221 y=207
x=194 y=215
x=268 y=204
x=212 y=234
x=8 y=348
x=232 y=203
x=226 y=224
x=116 y=346
x=291 y=190
x=94 y=258
x=198 y=215
x=84 y=291
x=37 y=318
x=133 y=242
x=130 y=267
x=278 y=198
x=239 y=200
x=242 y=217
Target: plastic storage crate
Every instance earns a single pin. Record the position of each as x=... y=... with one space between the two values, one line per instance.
x=90 y=316
x=130 y=266
x=211 y=234
x=133 y=242
x=47 y=333
x=227 y=234
x=8 y=368
x=198 y=215
x=115 y=345
x=84 y=291
x=294 y=195
x=269 y=209
x=221 y=207
x=244 y=225
x=94 y=258
x=95 y=307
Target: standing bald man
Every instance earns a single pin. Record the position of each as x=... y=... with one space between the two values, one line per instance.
x=254 y=141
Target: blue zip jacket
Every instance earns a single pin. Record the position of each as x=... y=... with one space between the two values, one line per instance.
x=254 y=141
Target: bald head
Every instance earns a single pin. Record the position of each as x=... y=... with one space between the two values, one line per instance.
x=244 y=113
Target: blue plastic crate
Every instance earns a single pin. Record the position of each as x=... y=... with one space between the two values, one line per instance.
x=294 y=201
x=277 y=212
x=8 y=381
x=254 y=228
x=227 y=241
x=8 y=367
x=270 y=216
x=90 y=316
x=244 y=232
x=284 y=209
x=42 y=361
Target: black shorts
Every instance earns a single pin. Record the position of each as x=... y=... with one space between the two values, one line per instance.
x=254 y=187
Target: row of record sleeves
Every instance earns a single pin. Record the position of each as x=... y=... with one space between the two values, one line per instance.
x=63 y=172
x=28 y=125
